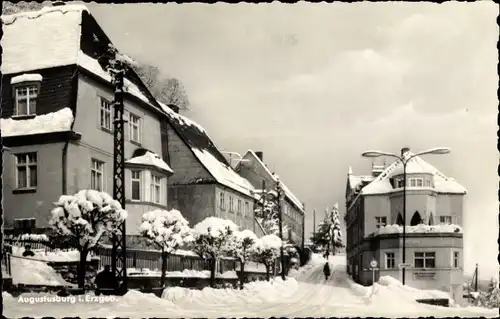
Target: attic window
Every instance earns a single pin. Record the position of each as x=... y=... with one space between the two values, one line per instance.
x=25 y=90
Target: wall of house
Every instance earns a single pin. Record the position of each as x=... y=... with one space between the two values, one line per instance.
x=443 y=277
x=183 y=162
x=88 y=120
x=55 y=92
x=245 y=220
x=39 y=203
x=195 y=201
x=450 y=205
x=255 y=173
x=423 y=201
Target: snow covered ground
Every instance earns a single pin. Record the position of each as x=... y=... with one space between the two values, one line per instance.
x=305 y=293
x=34 y=272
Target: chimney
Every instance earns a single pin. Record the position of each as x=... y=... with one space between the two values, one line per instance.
x=260 y=155
x=404 y=150
x=58 y=3
x=174 y=108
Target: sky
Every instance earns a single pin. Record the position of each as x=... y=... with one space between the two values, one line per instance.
x=315 y=85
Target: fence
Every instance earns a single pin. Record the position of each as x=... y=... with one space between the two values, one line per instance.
x=149 y=259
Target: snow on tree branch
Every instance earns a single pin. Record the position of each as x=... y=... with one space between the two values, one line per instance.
x=267 y=249
x=84 y=217
x=212 y=235
x=243 y=245
x=167 y=229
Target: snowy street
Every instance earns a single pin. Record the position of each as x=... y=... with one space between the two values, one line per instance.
x=304 y=293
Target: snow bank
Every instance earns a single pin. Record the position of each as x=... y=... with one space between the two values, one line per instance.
x=59 y=121
x=34 y=237
x=395 y=229
x=51 y=256
x=26 y=78
x=186 y=273
x=150 y=159
x=32 y=272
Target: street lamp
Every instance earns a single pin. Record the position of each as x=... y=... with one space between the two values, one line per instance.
x=405 y=159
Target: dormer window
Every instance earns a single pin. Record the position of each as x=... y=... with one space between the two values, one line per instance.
x=26 y=88
x=416 y=182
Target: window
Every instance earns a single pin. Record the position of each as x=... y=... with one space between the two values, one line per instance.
x=425 y=259
x=390 y=260
x=400 y=183
x=155 y=189
x=247 y=208
x=416 y=182
x=106 y=122
x=97 y=175
x=427 y=183
x=445 y=220
x=456 y=260
x=222 y=200
x=420 y=182
x=26 y=168
x=231 y=204
x=380 y=221
x=136 y=185
x=239 y=205
x=134 y=128
x=26 y=100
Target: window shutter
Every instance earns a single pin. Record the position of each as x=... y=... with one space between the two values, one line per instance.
x=128 y=183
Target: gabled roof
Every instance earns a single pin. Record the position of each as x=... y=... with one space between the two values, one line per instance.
x=442 y=183
x=152 y=160
x=204 y=149
x=287 y=191
x=51 y=37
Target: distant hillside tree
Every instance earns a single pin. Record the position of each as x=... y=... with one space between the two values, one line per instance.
x=166 y=90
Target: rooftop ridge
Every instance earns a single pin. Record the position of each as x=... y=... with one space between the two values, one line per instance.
x=35 y=14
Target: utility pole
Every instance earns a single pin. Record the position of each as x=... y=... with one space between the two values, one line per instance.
x=280 y=219
x=303 y=226
x=314 y=222
x=119 y=254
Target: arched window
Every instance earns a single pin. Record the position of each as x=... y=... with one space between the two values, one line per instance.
x=399 y=220
x=431 y=220
x=416 y=219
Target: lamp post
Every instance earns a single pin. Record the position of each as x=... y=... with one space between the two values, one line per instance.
x=404 y=160
x=280 y=194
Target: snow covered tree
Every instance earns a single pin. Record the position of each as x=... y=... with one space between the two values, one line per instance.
x=329 y=236
x=267 y=250
x=242 y=248
x=335 y=233
x=491 y=297
x=168 y=230
x=267 y=213
x=212 y=237
x=83 y=219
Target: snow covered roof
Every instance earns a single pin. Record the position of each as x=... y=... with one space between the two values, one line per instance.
x=355 y=181
x=25 y=78
x=150 y=159
x=59 y=121
x=207 y=153
x=287 y=191
x=442 y=183
x=27 y=34
x=41 y=39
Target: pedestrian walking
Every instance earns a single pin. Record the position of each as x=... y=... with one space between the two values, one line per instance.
x=28 y=252
x=326 y=270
